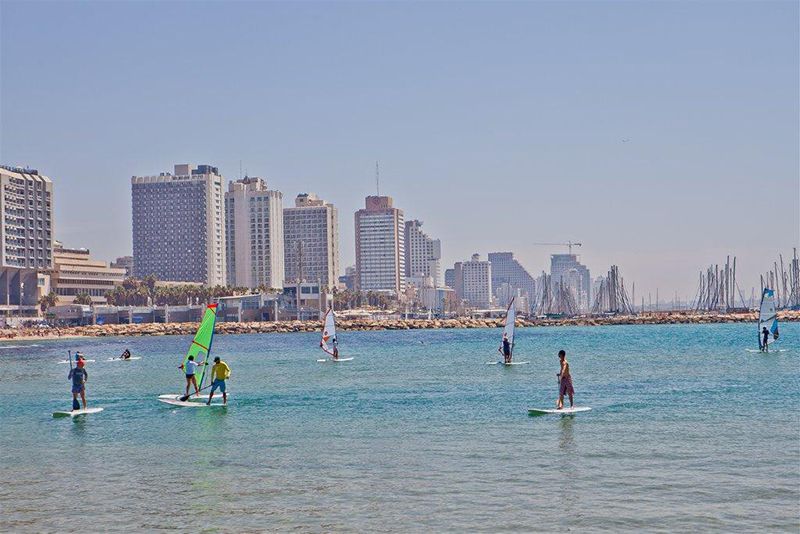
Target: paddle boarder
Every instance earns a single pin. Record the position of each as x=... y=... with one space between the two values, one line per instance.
x=564 y=382
x=219 y=373
x=79 y=376
x=506 y=349
x=190 y=368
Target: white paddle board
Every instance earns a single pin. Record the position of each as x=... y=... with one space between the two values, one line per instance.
x=335 y=361
x=87 y=361
x=553 y=411
x=73 y=413
x=124 y=359
x=504 y=363
x=175 y=400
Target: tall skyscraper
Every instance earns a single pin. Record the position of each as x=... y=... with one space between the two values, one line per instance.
x=507 y=270
x=254 y=234
x=473 y=281
x=423 y=253
x=568 y=273
x=311 y=241
x=178 y=226
x=380 y=246
x=26 y=234
x=26 y=207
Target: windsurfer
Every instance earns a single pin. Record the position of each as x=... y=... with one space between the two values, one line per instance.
x=190 y=368
x=765 y=342
x=564 y=382
x=506 y=349
x=335 y=350
x=219 y=373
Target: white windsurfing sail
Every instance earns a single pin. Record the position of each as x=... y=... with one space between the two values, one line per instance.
x=767 y=317
x=508 y=329
x=329 y=341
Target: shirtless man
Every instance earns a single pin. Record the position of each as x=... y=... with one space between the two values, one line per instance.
x=564 y=382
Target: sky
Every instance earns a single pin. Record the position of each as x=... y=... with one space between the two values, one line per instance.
x=661 y=135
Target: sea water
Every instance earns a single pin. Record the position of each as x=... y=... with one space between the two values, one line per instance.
x=688 y=431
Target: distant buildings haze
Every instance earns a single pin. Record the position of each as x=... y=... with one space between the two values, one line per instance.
x=507 y=270
x=423 y=253
x=473 y=281
x=567 y=272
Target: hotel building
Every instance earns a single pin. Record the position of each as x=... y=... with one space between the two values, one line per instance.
x=311 y=241
x=254 y=234
x=178 y=226
x=380 y=246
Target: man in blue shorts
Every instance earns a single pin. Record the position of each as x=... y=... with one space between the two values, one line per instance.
x=219 y=373
x=79 y=376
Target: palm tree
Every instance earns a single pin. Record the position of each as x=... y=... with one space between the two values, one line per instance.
x=48 y=301
x=83 y=298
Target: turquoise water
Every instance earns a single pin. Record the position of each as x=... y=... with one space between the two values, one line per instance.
x=688 y=431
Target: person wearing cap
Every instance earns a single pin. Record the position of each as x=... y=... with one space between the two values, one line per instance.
x=564 y=381
x=79 y=376
x=219 y=373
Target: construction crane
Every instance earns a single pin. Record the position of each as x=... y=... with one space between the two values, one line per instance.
x=569 y=244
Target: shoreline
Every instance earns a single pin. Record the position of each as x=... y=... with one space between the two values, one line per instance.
x=285 y=327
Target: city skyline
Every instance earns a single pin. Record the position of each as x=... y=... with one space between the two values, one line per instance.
x=656 y=155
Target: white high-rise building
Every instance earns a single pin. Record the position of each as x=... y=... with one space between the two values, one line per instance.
x=311 y=241
x=26 y=207
x=254 y=230
x=473 y=281
x=422 y=253
x=26 y=238
x=178 y=225
x=380 y=246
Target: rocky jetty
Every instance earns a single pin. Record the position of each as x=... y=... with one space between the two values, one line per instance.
x=174 y=329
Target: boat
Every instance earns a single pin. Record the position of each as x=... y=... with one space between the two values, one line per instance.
x=329 y=342
x=767 y=317
x=200 y=346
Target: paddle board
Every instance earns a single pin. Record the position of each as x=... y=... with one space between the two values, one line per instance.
x=73 y=413
x=87 y=361
x=124 y=359
x=203 y=395
x=504 y=363
x=553 y=411
x=175 y=400
x=335 y=361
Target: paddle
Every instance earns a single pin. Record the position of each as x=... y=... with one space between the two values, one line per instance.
x=75 y=404
x=186 y=397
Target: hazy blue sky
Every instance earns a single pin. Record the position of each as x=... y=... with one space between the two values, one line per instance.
x=497 y=124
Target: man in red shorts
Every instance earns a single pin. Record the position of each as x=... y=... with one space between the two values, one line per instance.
x=564 y=382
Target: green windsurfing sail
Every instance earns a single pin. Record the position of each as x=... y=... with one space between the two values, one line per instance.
x=201 y=344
